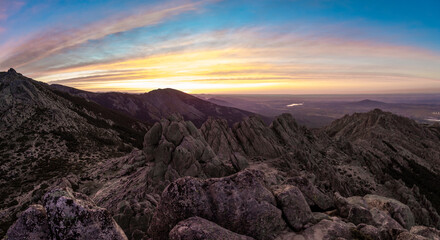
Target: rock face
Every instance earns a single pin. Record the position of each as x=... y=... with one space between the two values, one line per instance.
x=257 y=139
x=65 y=215
x=223 y=142
x=395 y=148
x=178 y=149
x=196 y=228
x=239 y=203
x=294 y=206
x=32 y=224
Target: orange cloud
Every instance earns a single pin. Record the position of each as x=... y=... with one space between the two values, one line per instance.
x=256 y=61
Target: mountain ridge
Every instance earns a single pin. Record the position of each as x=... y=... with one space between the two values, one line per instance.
x=365 y=176
x=161 y=103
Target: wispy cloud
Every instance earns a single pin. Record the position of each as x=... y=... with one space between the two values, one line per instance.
x=215 y=61
x=8 y=7
x=53 y=41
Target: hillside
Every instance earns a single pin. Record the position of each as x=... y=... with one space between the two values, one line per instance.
x=161 y=103
x=45 y=134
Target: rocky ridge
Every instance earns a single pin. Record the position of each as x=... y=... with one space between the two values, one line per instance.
x=366 y=176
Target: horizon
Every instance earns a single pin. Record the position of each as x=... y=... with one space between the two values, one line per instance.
x=226 y=47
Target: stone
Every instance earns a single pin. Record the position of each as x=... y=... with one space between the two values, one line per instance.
x=427 y=232
x=73 y=216
x=314 y=196
x=240 y=203
x=32 y=224
x=294 y=206
x=196 y=228
x=398 y=211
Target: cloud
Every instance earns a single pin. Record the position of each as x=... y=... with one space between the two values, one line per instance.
x=50 y=42
x=8 y=7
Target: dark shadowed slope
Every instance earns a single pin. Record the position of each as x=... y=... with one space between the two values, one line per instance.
x=162 y=103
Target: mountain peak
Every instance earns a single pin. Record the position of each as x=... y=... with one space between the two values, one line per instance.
x=12 y=71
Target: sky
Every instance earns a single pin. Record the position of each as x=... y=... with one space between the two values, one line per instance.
x=227 y=47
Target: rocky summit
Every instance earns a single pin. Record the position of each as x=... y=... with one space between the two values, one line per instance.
x=75 y=169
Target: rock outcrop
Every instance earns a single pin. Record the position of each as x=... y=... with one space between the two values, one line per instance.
x=366 y=176
x=65 y=215
x=32 y=224
x=178 y=149
x=240 y=203
x=223 y=142
x=294 y=206
x=196 y=228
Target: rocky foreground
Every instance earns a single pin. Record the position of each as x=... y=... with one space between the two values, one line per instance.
x=356 y=179
x=373 y=175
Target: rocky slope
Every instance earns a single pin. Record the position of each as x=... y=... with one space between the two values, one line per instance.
x=45 y=134
x=365 y=176
x=161 y=103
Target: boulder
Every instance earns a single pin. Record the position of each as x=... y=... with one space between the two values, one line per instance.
x=428 y=232
x=410 y=236
x=32 y=224
x=240 y=203
x=398 y=211
x=196 y=228
x=315 y=197
x=65 y=215
x=294 y=206
x=326 y=230
x=74 y=216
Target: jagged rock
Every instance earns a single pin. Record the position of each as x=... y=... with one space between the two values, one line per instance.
x=355 y=213
x=32 y=224
x=289 y=131
x=223 y=142
x=427 y=232
x=72 y=215
x=314 y=197
x=373 y=210
x=178 y=149
x=239 y=203
x=256 y=138
x=398 y=211
x=294 y=206
x=196 y=228
x=126 y=194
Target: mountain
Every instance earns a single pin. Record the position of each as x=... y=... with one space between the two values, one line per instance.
x=367 y=175
x=161 y=103
x=45 y=134
x=395 y=146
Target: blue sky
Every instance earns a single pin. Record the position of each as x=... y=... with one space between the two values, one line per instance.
x=315 y=46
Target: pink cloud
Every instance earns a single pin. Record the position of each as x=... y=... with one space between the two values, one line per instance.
x=7 y=8
x=50 y=42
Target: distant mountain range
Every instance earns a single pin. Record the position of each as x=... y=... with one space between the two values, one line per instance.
x=155 y=105
x=317 y=111
x=81 y=165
